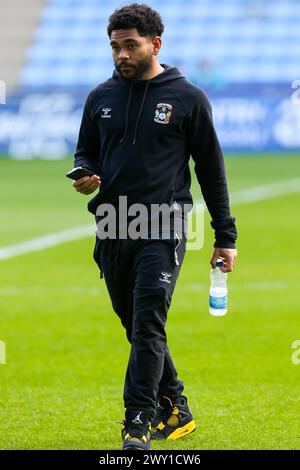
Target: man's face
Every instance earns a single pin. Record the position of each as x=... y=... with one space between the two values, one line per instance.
x=132 y=53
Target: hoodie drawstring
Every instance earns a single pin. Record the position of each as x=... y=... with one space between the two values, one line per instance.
x=140 y=112
x=139 y=115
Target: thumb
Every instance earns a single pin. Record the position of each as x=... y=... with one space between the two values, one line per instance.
x=215 y=258
x=213 y=261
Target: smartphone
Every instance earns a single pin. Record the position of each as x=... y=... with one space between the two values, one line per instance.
x=78 y=173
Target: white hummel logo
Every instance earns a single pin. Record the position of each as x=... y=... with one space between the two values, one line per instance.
x=105 y=113
x=165 y=277
x=137 y=419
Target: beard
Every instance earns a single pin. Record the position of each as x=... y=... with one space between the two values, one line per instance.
x=136 y=70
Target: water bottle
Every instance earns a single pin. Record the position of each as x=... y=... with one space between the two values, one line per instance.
x=218 y=291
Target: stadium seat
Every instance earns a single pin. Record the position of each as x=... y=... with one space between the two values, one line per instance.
x=72 y=33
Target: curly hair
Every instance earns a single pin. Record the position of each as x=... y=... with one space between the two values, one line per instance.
x=147 y=21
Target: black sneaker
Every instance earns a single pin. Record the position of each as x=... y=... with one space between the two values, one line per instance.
x=173 y=419
x=136 y=433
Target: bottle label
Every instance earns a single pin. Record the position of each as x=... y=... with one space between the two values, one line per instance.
x=218 y=302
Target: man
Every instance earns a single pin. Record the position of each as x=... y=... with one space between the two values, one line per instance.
x=138 y=131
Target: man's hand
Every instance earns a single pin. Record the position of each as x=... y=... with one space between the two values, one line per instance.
x=228 y=255
x=87 y=184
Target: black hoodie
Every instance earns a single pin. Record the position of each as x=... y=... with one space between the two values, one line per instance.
x=139 y=137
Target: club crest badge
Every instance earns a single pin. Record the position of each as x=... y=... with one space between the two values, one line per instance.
x=163 y=113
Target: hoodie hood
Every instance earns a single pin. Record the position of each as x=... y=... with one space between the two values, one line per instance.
x=169 y=74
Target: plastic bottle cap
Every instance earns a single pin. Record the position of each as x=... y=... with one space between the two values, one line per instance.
x=219 y=263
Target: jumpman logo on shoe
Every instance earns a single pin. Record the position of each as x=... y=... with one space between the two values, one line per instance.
x=137 y=419
x=165 y=277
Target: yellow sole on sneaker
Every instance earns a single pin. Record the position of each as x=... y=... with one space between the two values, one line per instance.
x=183 y=431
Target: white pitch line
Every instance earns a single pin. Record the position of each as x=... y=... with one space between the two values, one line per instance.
x=263 y=192
x=33 y=290
x=246 y=196
x=47 y=241
x=266 y=191
x=192 y=287
x=256 y=286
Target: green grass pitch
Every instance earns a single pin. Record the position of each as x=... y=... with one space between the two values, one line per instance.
x=62 y=384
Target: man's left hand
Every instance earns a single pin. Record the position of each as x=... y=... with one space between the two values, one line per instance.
x=228 y=255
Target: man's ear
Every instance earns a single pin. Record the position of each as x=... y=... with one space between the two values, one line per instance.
x=157 y=42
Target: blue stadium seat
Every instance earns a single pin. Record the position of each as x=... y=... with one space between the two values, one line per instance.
x=245 y=40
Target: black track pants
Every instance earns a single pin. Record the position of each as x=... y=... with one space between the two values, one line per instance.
x=140 y=276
